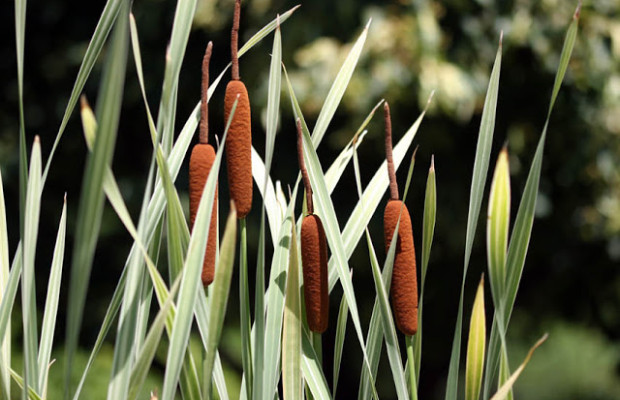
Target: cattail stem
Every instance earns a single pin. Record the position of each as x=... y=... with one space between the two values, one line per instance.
x=388 y=152
x=234 y=41
x=302 y=167
x=204 y=110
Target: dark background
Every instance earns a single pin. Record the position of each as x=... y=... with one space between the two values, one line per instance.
x=570 y=285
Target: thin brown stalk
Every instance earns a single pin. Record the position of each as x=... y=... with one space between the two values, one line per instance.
x=234 y=41
x=388 y=152
x=302 y=166
x=204 y=110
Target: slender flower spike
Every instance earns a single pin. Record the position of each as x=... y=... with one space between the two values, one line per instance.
x=313 y=255
x=404 y=287
x=200 y=163
x=239 y=141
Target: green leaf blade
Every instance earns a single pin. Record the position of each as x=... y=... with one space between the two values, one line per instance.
x=476 y=346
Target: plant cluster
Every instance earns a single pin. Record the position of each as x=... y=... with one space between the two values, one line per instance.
x=282 y=343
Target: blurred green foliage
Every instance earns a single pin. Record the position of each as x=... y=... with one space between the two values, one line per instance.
x=413 y=47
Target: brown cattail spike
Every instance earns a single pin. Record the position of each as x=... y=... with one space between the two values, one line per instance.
x=234 y=41
x=200 y=164
x=388 y=152
x=404 y=288
x=314 y=263
x=239 y=140
x=302 y=167
x=239 y=147
x=204 y=110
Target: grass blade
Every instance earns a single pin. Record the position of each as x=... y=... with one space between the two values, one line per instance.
x=147 y=353
x=181 y=26
x=5 y=337
x=91 y=200
x=275 y=302
x=521 y=233
x=273 y=106
x=20 y=35
x=505 y=389
x=341 y=331
x=29 y=305
x=32 y=394
x=108 y=16
x=338 y=88
x=481 y=166
x=51 y=303
x=498 y=219
x=312 y=370
x=221 y=288
x=430 y=214
x=291 y=331
x=475 y=346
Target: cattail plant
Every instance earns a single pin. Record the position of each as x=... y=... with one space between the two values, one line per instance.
x=313 y=255
x=239 y=141
x=404 y=282
x=200 y=163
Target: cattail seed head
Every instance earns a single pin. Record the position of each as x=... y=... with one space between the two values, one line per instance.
x=200 y=164
x=314 y=263
x=239 y=147
x=404 y=287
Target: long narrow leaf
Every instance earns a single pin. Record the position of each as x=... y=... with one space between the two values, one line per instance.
x=504 y=390
x=5 y=338
x=430 y=214
x=31 y=228
x=20 y=39
x=338 y=88
x=521 y=233
x=475 y=346
x=273 y=106
x=51 y=303
x=108 y=16
x=481 y=166
x=221 y=288
x=91 y=200
x=291 y=331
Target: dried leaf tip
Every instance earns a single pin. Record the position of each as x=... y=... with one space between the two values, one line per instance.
x=234 y=41
x=501 y=38
x=83 y=102
x=37 y=139
x=432 y=168
x=204 y=96
x=578 y=10
x=65 y=198
x=302 y=167
x=388 y=152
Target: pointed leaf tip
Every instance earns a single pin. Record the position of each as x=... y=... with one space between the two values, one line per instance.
x=430 y=99
x=368 y=24
x=501 y=38
x=578 y=10
x=432 y=168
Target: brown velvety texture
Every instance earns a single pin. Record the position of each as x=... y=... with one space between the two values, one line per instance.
x=239 y=148
x=314 y=263
x=404 y=281
x=200 y=163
